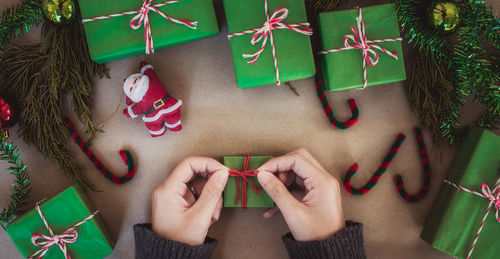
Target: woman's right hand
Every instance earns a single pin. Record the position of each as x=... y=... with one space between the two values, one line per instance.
x=314 y=216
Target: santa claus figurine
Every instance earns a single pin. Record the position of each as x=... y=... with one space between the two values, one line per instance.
x=147 y=96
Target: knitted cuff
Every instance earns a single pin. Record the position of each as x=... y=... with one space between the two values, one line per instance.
x=347 y=243
x=149 y=245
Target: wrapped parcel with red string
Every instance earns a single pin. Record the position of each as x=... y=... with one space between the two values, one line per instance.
x=65 y=226
x=269 y=40
x=117 y=29
x=360 y=47
x=465 y=219
x=243 y=188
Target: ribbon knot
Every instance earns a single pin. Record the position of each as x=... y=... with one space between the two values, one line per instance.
x=361 y=42
x=46 y=241
x=493 y=197
x=244 y=174
x=142 y=17
x=275 y=22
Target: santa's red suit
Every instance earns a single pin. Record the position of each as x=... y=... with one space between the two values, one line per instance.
x=160 y=110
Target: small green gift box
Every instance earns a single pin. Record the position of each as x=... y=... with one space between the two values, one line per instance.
x=293 y=50
x=234 y=196
x=62 y=212
x=457 y=215
x=113 y=38
x=343 y=68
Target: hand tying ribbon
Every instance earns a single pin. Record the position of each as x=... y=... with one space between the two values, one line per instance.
x=492 y=195
x=244 y=174
x=67 y=237
x=370 y=57
x=275 y=22
x=142 y=17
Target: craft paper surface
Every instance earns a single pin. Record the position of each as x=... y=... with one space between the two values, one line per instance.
x=344 y=69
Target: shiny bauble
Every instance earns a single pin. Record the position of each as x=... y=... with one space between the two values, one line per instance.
x=6 y=114
x=59 y=11
x=443 y=17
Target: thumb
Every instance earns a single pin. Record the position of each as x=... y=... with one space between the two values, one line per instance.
x=211 y=194
x=278 y=192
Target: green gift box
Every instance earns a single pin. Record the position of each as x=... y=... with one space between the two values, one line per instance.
x=343 y=69
x=254 y=200
x=112 y=38
x=456 y=215
x=293 y=49
x=62 y=212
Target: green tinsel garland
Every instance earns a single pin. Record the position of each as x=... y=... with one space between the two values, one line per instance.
x=20 y=188
x=466 y=62
x=38 y=77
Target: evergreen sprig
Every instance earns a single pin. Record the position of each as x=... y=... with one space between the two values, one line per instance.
x=19 y=18
x=20 y=188
x=465 y=61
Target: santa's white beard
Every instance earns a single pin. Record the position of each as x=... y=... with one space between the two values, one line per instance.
x=140 y=89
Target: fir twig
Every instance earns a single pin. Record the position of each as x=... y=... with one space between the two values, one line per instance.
x=20 y=188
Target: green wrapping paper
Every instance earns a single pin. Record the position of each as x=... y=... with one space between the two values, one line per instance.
x=456 y=215
x=293 y=50
x=113 y=39
x=62 y=212
x=254 y=200
x=343 y=70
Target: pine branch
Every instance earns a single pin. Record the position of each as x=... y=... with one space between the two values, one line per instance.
x=19 y=18
x=20 y=188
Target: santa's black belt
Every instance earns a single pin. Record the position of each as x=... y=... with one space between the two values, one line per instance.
x=157 y=105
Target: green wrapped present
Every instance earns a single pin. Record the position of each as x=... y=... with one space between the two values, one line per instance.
x=242 y=176
x=463 y=220
x=118 y=29
x=272 y=50
x=70 y=216
x=344 y=35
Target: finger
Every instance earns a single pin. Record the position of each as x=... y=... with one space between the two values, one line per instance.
x=278 y=192
x=308 y=156
x=188 y=167
x=298 y=164
x=218 y=210
x=211 y=194
x=271 y=212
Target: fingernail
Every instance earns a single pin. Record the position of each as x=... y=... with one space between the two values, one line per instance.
x=264 y=177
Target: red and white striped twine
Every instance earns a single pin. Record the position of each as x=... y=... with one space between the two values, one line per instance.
x=141 y=16
x=492 y=195
x=67 y=237
x=370 y=57
x=275 y=22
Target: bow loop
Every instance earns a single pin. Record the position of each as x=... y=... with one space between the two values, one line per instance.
x=493 y=197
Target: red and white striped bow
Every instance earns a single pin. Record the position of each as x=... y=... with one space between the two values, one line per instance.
x=141 y=17
x=492 y=195
x=370 y=57
x=67 y=237
x=275 y=22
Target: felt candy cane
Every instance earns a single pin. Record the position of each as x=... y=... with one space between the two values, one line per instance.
x=424 y=159
x=320 y=91
x=125 y=155
x=376 y=176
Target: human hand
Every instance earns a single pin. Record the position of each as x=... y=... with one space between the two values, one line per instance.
x=177 y=214
x=315 y=215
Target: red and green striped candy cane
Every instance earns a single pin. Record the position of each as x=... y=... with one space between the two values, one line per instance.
x=320 y=91
x=424 y=159
x=376 y=176
x=124 y=154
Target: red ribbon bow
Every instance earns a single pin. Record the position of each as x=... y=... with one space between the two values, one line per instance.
x=244 y=174
x=67 y=237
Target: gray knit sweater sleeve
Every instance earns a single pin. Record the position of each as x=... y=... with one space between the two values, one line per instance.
x=148 y=245
x=347 y=243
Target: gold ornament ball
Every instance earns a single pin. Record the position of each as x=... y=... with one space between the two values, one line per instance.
x=59 y=11
x=444 y=16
